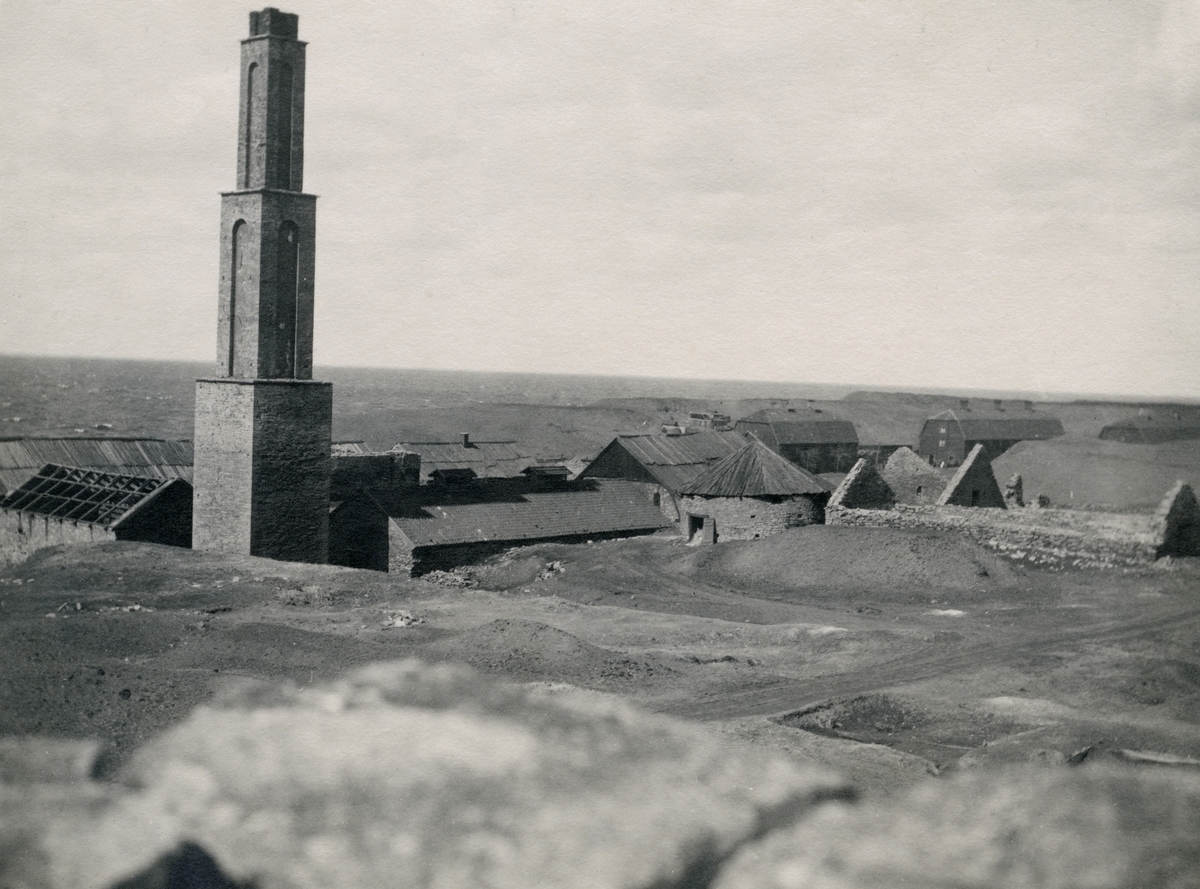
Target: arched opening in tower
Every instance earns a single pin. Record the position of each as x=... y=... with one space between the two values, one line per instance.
x=236 y=287
x=287 y=291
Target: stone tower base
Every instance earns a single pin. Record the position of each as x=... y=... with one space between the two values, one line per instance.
x=262 y=468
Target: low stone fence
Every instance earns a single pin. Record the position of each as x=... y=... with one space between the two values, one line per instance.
x=1054 y=537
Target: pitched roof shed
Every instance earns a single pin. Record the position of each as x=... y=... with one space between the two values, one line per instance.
x=755 y=471
x=670 y=460
x=516 y=510
x=793 y=427
x=1027 y=427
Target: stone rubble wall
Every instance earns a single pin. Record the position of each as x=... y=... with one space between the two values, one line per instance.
x=1055 y=537
x=22 y=534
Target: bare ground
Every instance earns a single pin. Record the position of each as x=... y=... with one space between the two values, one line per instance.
x=888 y=654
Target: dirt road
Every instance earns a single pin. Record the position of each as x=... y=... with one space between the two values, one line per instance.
x=968 y=656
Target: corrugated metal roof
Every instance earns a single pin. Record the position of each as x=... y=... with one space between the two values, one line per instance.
x=681 y=450
x=1003 y=428
x=488 y=459
x=785 y=427
x=755 y=471
x=84 y=495
x=148 y=457
x=675 y=460
x=514 y=510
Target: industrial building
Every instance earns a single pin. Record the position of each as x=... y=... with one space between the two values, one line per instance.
x=946 y=439
x=812 y=438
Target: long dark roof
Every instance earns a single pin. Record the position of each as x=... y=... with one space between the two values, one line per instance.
x=85 y=495
x=488 y=459
x=674 y=460
x=518 y=510
x=998 y=427
x=755 y=471
x=20 y=458
x=787 y=427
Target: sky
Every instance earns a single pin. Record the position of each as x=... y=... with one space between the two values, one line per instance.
x=999 y=195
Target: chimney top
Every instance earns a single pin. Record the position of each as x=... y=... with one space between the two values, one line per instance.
x=466 y=439
x=271 y=22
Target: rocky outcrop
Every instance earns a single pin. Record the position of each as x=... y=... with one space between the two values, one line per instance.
x=1045 y=828
x=410 y=775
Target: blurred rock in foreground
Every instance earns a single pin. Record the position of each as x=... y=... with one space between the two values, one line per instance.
x=1048 y=828
x=407 y=775
x=410 y=775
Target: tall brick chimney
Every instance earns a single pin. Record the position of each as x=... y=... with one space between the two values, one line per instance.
x=263 y=426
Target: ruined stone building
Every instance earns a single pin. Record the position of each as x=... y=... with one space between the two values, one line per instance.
x=65 y=505
x=263 y=425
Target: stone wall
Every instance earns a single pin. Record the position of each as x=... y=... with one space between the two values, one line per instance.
x=22 y=534
x=1055 y=537
x=404 y=559
x=747 y=518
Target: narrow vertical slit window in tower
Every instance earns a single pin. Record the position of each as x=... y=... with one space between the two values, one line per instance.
x=248 y=124
x=282 y=167
x=237 y=261
x=287 y=286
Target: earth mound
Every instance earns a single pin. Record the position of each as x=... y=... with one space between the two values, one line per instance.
x=891 y=563
x=527 y=650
